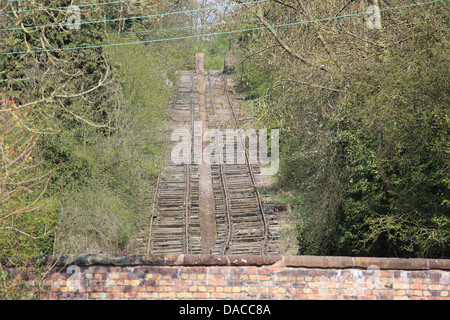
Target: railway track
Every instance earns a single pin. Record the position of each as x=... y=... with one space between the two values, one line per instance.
x=174 y=225
x=242 y=225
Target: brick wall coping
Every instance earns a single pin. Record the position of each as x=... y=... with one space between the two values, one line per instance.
x=325 y=262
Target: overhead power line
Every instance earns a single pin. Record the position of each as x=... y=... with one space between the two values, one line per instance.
x=223 y=32
x=208 y=25
x=139 y=17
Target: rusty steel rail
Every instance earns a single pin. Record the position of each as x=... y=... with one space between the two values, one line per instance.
x=187 y=178
x=225 y=195
x=240 y=217
x=242 y=227
x=252 y=175
x=175 y=226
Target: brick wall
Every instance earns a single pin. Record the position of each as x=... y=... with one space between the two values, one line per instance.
x=245 y=277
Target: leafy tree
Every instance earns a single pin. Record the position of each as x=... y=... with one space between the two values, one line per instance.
x=364 y=122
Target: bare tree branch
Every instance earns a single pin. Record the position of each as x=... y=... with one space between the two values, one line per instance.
x=281 y=41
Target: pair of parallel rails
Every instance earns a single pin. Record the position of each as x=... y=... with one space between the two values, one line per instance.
x=242 y=225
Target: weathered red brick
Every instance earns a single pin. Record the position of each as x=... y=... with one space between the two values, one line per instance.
x=132 y=295
x=115 y=295
x=218 y=295
x=201 y=295
x=148 y=282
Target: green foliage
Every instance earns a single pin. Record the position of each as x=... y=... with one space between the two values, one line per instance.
x=107 y=203
x=27 y=217
x=215 y=50
x=255 y=75
x=11 y=289
x=410 y=110
x=23 y=281
x=364 y=147
x=254 y=80
x=101 y=116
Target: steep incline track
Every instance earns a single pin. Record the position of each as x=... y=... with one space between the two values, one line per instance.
x=241 y=224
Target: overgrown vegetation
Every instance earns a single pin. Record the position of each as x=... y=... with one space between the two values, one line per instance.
x=363 y=114
x=364 y=120
x=88 y=126
x=113 y=203
x=82 y=131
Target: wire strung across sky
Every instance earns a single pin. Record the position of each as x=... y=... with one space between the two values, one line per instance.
x=202 y=26
x=222 y=32
x=138 y=17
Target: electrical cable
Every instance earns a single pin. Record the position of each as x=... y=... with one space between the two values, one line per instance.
x=222 y=32
x=138 y=17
